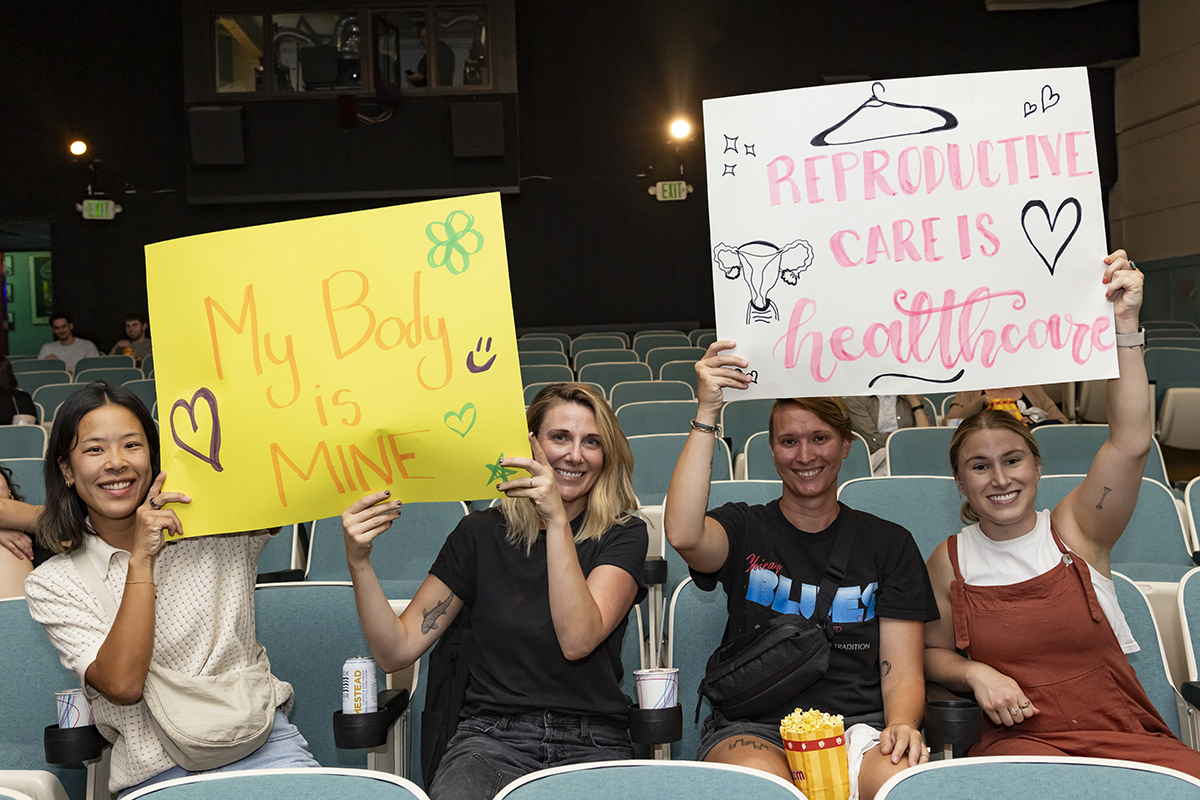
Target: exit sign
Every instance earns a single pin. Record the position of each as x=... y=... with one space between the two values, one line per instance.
x=671 y=190
x=98 y=209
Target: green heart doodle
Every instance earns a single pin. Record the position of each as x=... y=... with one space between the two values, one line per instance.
x=464 y=420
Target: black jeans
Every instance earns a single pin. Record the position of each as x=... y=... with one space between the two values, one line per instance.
x=489 y=751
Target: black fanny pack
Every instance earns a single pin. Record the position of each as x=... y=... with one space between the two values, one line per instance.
x=763 y=669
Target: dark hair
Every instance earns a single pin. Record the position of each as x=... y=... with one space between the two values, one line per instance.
x=8 y=380
x=986 y=420
x=61 y=524
x=830 y=410
x=59 y=315
x=137 y=315
x=13 y=489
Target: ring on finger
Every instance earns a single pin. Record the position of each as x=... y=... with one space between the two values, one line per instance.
x=1014 y=711
x=1024 y=705
x=153 y=504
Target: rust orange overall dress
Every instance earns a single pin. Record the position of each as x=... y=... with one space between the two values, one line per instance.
x=1050 y=635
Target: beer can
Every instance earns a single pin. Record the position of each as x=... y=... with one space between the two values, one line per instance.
x=359 y=693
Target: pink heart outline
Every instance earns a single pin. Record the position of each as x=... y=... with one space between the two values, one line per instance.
x=214 y=441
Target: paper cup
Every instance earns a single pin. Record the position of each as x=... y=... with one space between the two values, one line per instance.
x=74 y=710
x=819 y=764
x=657 y=688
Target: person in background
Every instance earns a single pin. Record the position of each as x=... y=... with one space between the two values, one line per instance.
x=13 y=401
x=875 y=417
x=444 y=64
x=1030 y=404
x=137 y=339
x=66 y=347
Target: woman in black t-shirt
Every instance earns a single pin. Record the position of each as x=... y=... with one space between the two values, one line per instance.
x=546 y=581
x=770 y=560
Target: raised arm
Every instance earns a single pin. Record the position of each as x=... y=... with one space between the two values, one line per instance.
x=1092 y=518
x=395 y=642
x=700 y=539
x=119 y=671
x=584 y=610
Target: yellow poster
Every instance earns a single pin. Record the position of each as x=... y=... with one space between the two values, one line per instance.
x=304 y=364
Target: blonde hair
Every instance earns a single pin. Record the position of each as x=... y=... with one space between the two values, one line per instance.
x=984 y=421
x=610 y=500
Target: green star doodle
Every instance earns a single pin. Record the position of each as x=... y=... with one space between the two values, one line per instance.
x=499 y=474
x=448 y=249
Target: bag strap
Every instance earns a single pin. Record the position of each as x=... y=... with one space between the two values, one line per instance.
x=835 y=570
x=91 y=579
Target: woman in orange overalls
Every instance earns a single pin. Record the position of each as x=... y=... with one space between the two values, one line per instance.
x=1027 y=595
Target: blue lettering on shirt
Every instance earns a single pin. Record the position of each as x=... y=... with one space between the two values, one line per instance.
x=850 y=603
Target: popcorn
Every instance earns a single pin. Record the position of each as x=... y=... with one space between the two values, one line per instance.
x=815 y=743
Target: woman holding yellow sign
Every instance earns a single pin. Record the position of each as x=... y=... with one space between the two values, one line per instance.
x=546 y=581
x=161 y=636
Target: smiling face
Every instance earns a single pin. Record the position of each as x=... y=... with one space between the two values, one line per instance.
x=571 y=440
x=808 y=453
x=998 y=473
x=63 y=330
x=109 y=465
x=135 y=329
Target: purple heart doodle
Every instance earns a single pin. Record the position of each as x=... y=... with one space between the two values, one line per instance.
x=213 y=459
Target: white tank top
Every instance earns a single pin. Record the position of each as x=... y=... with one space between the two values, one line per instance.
x=984 y=562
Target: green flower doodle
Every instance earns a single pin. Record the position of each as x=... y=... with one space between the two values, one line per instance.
x=448 y=249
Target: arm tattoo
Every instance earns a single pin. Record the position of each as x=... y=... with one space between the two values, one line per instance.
x=886 y=666
x=747 y=743
x=1100 y=505
x=429 y=621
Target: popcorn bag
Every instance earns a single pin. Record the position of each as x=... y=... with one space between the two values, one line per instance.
x=816 y=752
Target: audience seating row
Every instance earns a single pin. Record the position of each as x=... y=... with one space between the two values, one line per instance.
x=22 y=367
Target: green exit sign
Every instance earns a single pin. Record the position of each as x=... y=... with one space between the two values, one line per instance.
x=671 y=190
x=98 y=209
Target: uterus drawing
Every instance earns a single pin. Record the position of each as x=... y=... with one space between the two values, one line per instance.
x=761 y=264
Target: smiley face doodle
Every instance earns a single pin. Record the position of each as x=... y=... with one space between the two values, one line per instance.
x=472 y=365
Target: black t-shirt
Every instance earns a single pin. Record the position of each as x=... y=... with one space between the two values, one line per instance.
x=17 y=403
x=775 y=568
x=516 y=663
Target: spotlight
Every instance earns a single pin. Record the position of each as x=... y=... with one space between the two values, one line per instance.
x=78 y=147
x=680 y=129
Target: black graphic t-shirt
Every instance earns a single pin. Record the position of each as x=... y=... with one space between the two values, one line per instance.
x=516 y=663
x=775 y=568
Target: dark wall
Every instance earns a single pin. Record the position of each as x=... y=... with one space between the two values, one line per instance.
x=597 y=84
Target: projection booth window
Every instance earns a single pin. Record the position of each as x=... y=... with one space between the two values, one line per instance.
x=316 y=50
x=239 y=55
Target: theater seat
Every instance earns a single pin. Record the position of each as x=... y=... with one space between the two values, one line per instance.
x=285 y=784
x=608 y=780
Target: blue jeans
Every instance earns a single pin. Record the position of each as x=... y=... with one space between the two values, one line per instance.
x=489 y=751
x=285 y=748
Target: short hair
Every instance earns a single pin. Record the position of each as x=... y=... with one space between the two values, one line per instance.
x=60 y=315
x=830 y=410
x=611 y=499
x=137 y=315
x=988 y=419
x=61 y=525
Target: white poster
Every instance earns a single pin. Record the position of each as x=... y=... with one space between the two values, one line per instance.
x=910 y=236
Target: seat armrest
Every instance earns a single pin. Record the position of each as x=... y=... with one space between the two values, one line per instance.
x=358 y=731
x=73 y=745
x=1191 y=692
x=655 y=571
x=280 y=576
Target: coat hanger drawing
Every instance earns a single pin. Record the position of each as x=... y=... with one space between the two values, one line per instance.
x=947 y=120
